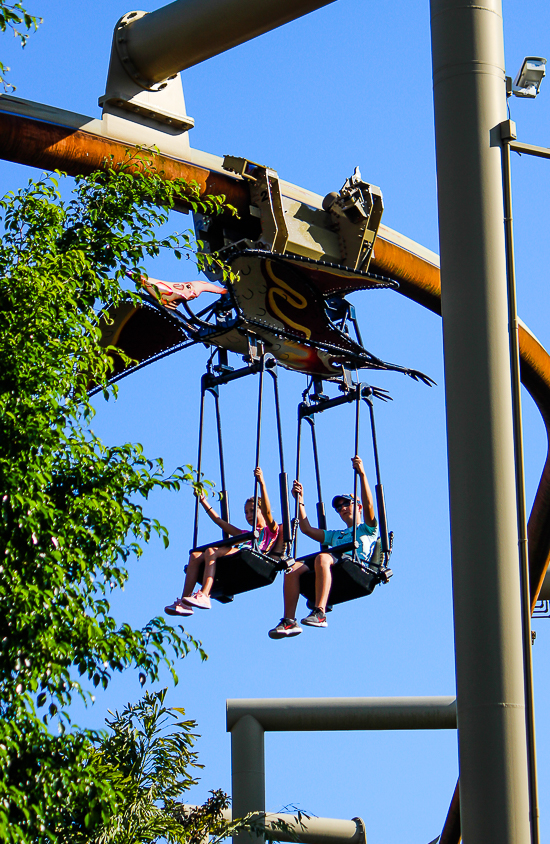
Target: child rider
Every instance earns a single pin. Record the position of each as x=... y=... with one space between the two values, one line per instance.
x=267 y=527
x=367 y=534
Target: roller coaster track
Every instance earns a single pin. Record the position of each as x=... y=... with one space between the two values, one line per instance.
x=51 y=139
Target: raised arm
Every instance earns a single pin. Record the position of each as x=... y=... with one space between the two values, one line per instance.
x=225 y=526
x=314 y=533
x=265 y=505
x=367 y=500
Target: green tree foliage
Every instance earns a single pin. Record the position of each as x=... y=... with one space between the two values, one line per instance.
x=15 y=18
x=147 y=758
x=70 y=512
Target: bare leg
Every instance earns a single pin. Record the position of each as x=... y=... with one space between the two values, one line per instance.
x=291 y=589
x=323 y=579
x=210 y=557
x=191 y=575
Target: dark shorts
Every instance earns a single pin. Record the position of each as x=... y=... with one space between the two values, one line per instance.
x=310 y=563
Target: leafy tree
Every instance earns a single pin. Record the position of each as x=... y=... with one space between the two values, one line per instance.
x=70 y=511
x=15 y=18
x=149 y=768
x=147 y=759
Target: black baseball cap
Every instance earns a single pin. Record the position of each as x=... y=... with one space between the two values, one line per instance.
x=338 y=498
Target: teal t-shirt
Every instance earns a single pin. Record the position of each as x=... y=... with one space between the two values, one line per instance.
x=366 y=536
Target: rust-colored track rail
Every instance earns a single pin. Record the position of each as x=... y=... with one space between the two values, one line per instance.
x=50 y=146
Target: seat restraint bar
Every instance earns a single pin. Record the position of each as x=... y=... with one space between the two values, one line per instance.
x=226 y=543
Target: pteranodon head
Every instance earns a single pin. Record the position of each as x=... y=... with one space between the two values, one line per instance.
x=172 y=293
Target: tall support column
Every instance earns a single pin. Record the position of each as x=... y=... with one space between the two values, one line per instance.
x=470 y=103
x=247 y=772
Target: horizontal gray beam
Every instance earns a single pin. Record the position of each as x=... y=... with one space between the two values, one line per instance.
x=187 y=32
x=307 y=830
x=530 y=149
x=354 y=713
x=315 y=830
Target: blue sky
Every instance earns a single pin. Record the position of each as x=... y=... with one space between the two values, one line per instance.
x=348 y=85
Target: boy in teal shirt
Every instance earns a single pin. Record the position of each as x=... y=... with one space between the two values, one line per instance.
x=367 y=534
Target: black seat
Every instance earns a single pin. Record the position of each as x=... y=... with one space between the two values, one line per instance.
x=349 y=581
x=241 y=572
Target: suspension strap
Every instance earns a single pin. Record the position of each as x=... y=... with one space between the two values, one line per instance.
x=258 y=442
x=210 y=382
x=224 y=502
x=296 y=520
x=321 y=516
x=199 y=466
x=355 y=473
x=380 y=500
x=283 y=479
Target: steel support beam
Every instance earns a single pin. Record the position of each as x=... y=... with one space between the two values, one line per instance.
x=470 y=103
x=248 y=719
x=306 y=830
x=184 y=33
x=247 y=773
x=345 y=713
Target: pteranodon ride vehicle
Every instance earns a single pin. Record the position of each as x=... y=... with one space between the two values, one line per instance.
x=294 y=265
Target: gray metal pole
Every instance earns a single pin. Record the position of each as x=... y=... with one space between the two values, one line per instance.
x=247 y=772
x=187 y=32
x=345 y=713
x=507 y=133
x=469 y=104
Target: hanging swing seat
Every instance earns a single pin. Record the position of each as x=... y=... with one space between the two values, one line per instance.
x=243 y=571
x=349 y=580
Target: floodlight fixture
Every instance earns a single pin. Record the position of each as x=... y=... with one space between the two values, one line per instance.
x=527 y=82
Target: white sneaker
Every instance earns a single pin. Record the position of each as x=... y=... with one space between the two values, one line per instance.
x=177 y=608
x=198 y=600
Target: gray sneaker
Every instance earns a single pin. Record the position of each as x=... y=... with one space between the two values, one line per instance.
x=286 y=627
x=316 y=618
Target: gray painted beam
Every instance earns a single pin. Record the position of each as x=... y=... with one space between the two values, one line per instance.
x=247 y=773
x=306 y=830
x=187 y=32
x=359 y=713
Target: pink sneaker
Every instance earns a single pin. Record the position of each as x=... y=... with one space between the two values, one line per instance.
x=198 y=600
x=178 y=608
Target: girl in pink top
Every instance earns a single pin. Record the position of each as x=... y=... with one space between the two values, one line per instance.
x=265 y=523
